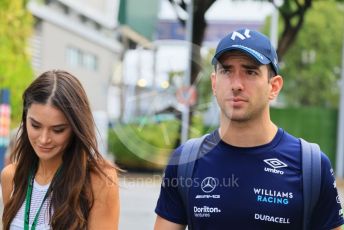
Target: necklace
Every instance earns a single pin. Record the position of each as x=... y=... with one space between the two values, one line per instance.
x=28 y=199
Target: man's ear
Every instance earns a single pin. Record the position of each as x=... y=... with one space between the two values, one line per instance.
x=276 y=83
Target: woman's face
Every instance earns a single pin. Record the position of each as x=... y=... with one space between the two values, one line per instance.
x=48 y=130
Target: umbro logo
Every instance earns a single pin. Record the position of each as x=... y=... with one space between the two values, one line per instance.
x=275 y=164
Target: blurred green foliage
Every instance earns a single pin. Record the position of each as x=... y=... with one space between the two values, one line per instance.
x=311 y=67
x=143 y=145
x=204 y=82
x=313 y=124
x=16 y=73
x=147 y=145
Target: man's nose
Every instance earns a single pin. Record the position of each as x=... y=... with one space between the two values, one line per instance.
x=237 y=82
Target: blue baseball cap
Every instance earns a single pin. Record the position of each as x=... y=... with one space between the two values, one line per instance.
x=251 y=42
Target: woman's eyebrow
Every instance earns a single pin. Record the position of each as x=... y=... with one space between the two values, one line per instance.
x=55 y=126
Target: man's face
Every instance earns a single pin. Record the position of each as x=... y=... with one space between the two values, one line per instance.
x=242 y=87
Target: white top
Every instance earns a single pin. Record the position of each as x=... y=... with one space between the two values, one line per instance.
x=38 y=193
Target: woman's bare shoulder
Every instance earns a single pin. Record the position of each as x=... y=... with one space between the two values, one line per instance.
x=107 y=175
x=105 y=210
x=7 y=173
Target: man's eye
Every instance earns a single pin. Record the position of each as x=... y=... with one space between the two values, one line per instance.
x=224 y=71
x=251 y=72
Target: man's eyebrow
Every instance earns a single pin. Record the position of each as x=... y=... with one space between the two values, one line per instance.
x=250 y=66
x=224 y=66
x=38 y=123
x=246 y=66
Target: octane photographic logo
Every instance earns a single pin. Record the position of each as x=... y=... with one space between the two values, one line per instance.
x=151 y=134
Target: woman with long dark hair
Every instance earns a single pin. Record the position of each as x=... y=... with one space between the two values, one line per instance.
x=58 y=178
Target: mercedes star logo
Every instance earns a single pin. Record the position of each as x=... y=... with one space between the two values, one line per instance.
x=208 y=184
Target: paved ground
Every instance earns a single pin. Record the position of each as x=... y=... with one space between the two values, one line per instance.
x=138 y=194
x=138 y=198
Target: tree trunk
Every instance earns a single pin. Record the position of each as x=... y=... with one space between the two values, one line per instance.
x=293 y=21
x=198 y=31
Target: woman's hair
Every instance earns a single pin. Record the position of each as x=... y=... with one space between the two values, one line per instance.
x=72 y=197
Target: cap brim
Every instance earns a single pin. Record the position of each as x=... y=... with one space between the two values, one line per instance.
x=254 y=54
